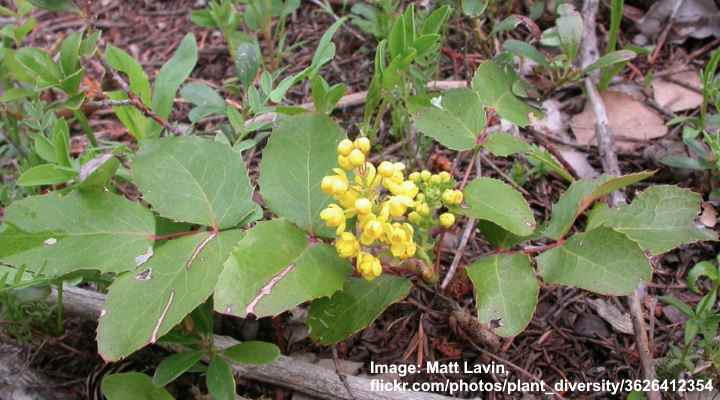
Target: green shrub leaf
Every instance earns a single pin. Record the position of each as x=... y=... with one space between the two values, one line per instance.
x=503 y=144
x=171 y=76
x=334 y=319
x=220 y=380
x=493 y=84
x=144 y=305
x=94 y=230
x=581 y=195
x=602 y=261
x=191 y=179
x=265 y=276
x=175 y=365
x=495 y=201
x=252 y=352
x=506 y=291
x=299 y=153
x=46 y=174
x=455 y=120
x=660 y=219
x=132 y=386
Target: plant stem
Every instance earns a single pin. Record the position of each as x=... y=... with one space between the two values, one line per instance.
x=60 y=310
x=85 y=124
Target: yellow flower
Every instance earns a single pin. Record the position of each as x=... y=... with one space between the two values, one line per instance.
x=445 y=177
x=345 y=147
x=422 y=208
x=371 y=231
x=363 y=144
x=344 y=163
x=447 y=220
x=348 y=198
x=386 y=169
x=334 y=184
x=398 y=205
x=415 y=176
x=334 y=216
x=452 y=197
x=400 y=237
x=347 y=245
x=363 y=206
x=357 y=158
x=425 y=175
x=414 y=217
x=368 y=266
x=435 y=179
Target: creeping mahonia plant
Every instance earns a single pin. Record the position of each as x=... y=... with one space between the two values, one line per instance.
x=382 y=213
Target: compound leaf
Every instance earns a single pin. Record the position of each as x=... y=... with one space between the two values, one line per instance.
x=191 y=179
x=95 y=230
x=144 y=305
x=506 y=291
x=354 y=308
x=293 y=270
x=601 y=260
x=299 y=153
x=495 y=201
x=455 y=119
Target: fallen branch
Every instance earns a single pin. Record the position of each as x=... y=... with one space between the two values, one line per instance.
x=287 y=372
x=610 y=164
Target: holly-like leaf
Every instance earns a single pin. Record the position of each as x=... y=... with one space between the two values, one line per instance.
x=602 y=261
x=191 y=179
x=581 y=195
x=506 y=291
x=252 y=352
x=299 y=153
x=352 y=309
x=95 y=230
x=660 y=219
x=132 y=386
x=144 y=305
x=455 y=119
x=494 y=83
x=495 y=201
x=293 y=270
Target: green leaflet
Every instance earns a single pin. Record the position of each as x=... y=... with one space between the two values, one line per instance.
x=170 y=77
x=299 y=153
x=145 y=304
x=581 y=195
x=455 y=119
x=660 y=219
x=191 y=179
x=347 y=312
x=506 y=291
x=495 y=201
x=95 y=230
x=493 y=83
x=252 y=352
x=293 y=270
x=132 y=386
x=601 y=260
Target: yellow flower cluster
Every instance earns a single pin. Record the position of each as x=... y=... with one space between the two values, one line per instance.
x=377 y=201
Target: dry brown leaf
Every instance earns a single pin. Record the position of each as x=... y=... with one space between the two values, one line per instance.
x=631 y=122
x=673 y=97
x=708 y=216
